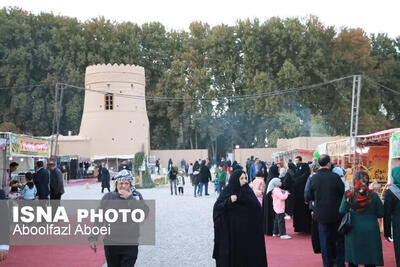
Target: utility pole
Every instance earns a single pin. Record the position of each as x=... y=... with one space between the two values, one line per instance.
x=355 y=112
x=61 y=88
x=54 y=119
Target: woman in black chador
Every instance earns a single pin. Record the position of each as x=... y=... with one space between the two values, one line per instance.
x=238 y=231
x=301 y=212
x=287 y=184
x=268 y=211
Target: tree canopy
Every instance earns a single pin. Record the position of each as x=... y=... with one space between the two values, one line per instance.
x=223 y=62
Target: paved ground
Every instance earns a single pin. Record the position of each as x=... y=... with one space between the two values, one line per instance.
x=184 y=228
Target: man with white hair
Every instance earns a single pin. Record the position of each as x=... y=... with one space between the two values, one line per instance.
x=120 y=255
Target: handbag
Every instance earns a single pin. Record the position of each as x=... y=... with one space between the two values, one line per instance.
x=345 y=225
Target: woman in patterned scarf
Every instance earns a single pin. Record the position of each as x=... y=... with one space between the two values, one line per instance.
x=360 y=196
x=363 y=243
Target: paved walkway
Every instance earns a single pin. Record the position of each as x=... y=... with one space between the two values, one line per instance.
x=183 y=226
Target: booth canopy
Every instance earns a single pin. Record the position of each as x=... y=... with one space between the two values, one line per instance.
x=114 y=157
x=342 y=146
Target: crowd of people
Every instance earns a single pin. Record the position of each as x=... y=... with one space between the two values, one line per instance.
x=200 y=175
x=342 y=219
x=253 y=202
x=45 y=183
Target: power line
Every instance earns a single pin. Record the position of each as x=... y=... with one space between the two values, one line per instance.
x=23 y=86
x=232 y=98
x=383 y=86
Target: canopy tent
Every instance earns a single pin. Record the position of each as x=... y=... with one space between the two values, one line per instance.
x=374 y=139
x=372 y=153
x=285 y=156
x=113 y=157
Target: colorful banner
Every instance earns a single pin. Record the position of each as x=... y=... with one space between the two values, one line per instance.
x=377 y=165
x=395 y=145
x=3 y=143
x=24 y=146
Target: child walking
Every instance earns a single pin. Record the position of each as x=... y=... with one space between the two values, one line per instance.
x=259 y=186
x=29 y=190
x=181 y=182
x=278 y=199
x=220 y=178
x=216 y=186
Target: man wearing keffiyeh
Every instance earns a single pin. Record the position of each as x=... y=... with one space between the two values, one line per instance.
x=121 y=255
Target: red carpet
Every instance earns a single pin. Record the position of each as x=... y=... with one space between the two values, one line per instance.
x=297 y=252
x=82 y=181
x=54 y=256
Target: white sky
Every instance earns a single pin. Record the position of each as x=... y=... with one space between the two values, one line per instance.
x=373 y=16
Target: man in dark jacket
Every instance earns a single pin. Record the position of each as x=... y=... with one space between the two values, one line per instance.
x=56 y=182
x=41 y=179
x=205 y=177
x=99 y=175
x=172 y=180
x=121 y=255
x=105 y=179
x=326 y=190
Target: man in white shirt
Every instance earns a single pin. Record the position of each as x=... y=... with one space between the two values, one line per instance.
x=7 y=177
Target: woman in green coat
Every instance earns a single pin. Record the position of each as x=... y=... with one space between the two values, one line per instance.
x=392 y=213
x=363 y=243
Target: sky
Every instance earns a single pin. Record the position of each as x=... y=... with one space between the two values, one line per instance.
x=371 y=15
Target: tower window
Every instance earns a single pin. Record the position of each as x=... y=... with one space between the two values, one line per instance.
x=109 y=101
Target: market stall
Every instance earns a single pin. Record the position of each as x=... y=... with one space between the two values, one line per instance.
x=285 y=156
x=23 y=149
x=114 y=163
x=75 y=167
x=372 y=154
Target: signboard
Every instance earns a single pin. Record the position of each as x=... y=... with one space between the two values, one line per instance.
x=377 y=165
x=338 y=148
x=21 y=146
x=395 y=145
x=65 y=159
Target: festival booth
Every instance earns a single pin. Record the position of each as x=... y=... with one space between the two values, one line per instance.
x=372 y=155
x=285 y=156
x=23 y=149
x=75 y=166
x=113 y=163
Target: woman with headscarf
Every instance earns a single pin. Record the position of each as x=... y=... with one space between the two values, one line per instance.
x=264 y=170
x=282 y=173
x=301 y=212
x=287 y=184
x=170 y=164
x=268 y=210
x=238 y=235
x=363 y=243
x=392 y=213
